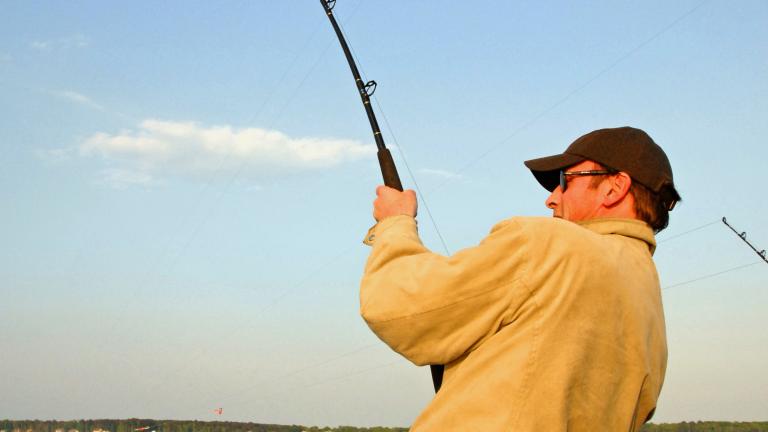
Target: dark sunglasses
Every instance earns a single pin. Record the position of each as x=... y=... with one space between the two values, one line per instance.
x=565 y=174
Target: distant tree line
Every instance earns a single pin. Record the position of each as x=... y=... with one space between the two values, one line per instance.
x=700 y=426
x=131 y=425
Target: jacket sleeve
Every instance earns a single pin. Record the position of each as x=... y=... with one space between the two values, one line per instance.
x=432 y=309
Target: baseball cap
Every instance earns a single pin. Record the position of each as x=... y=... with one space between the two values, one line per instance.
x=624 y=149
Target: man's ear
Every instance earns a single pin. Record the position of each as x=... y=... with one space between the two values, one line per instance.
x=619 y=188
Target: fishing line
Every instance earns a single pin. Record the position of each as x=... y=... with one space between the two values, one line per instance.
x=402 y=154
x=290 y=67
x=306 y=76
x=301 y=84
x=711 y=275
x=666 y=239
x=413 y=178
x=573 y=92
x=742 y=236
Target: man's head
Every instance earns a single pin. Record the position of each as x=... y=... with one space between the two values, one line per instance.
x=619 y=172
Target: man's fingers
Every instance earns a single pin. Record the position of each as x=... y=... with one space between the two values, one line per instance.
x=380 y=189
x=392 y=202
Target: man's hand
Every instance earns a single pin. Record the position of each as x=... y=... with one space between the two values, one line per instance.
x=392 y=202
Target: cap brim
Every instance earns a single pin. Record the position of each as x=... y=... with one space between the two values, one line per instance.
x=547 y=169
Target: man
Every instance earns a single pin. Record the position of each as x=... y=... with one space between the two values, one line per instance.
x=549 y=324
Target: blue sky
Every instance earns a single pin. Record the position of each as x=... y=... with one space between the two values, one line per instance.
x=187 y=185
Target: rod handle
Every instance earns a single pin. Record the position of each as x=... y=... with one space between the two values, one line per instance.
x=388 y=169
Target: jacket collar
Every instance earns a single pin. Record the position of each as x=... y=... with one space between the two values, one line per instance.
x=633 y=228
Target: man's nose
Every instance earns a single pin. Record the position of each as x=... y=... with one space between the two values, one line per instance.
x=553 y=199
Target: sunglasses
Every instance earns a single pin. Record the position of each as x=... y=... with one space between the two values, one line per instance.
x=564 y=176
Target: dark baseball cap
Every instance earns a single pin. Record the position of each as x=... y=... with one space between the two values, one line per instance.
x=624 y=149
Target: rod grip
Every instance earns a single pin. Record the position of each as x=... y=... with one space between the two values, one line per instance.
x=388 y=169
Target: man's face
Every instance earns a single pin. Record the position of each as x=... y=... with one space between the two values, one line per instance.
x=579 y=201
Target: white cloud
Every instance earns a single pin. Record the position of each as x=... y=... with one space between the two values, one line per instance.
x=160 y=148
x=67 y=42
x=441 y=173
x=78 y=99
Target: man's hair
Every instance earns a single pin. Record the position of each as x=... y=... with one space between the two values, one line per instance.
x=649 y=206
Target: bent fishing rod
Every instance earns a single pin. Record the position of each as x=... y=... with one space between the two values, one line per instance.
x=387 y=165
x=388 y=169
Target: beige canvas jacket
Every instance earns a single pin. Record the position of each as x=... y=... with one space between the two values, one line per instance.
x=546 y=325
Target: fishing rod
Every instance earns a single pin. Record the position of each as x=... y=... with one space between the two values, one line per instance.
x=387 y=165
x=366 y=90
x=743 y=235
